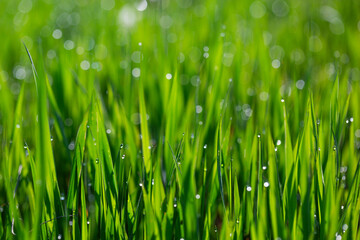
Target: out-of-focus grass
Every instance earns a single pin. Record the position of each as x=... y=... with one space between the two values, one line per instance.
x=179 y=119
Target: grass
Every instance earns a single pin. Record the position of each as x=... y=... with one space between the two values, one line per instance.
x=179 y=119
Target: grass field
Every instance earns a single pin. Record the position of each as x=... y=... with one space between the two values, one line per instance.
x=181 y=119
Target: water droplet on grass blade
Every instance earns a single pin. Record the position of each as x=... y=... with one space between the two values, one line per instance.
x=57 y=34
x=71 y=146
x=168 y=76
x=142 y=6
x=59 y=236
x=85 y=65
x=136 y=72
x=248 y=188
x=197 y=196
x=275 y=63
x=266 y=184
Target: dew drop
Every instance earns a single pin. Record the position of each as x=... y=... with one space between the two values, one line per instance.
x=152 y=181
x=97 y=161
x=175 y=203
x=168 y=76
x=197 y=196
x=248 y=188
x=140 y=184
x=59 y=236
x=282 y=100
x=205 y=146
x=266 y=184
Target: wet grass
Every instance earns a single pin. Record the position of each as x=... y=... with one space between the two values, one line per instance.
x=179 y=120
